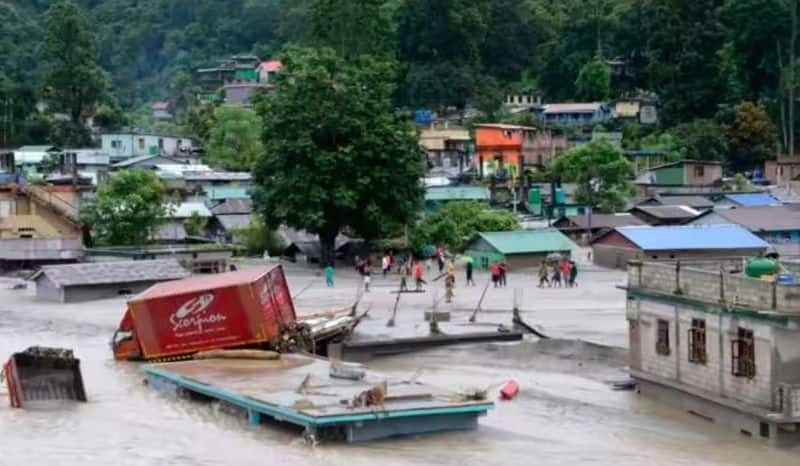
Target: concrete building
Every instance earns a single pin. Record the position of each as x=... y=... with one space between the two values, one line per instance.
x=446 y=147
x=161 y=110
x=686 y=242
x=174 y=228
x=121 y=146
x=519 y=249
x=90 y=164
x=585 y=113
x=103 y=280
x=719 y=345
x=38 y=224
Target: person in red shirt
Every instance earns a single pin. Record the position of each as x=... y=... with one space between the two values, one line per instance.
x=566 y=268
x=418 y=275
x=495 y=274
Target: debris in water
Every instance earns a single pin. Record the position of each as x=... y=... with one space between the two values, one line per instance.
x=347 y=370
x=509 y=390
x=41 y=373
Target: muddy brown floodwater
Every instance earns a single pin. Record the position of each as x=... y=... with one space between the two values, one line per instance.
x=565 y=414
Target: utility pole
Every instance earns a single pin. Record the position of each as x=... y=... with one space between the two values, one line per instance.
x=792 y=84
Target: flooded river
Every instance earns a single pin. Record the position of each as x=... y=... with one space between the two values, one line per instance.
x=565 y=414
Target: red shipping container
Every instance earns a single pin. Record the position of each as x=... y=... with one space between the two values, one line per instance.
x=233 y=309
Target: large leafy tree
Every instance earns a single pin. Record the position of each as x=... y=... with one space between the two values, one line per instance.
x=752 y=137
x=594 y=82
x=456 y=222
x=601 y=172
x=235 y=138
x=130 y=205
x=336 y=153
x=73 y=79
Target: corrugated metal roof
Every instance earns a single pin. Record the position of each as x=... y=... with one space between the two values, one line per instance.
x=753 y=199
x=202 y=283
x=692 y=237
x=771 y=218
x=581 y=107
x=99 y=273
x=695 y=202
x=668 y=211
x=605 y=220
x=457 y=193
x=528 y=241
x=233 y=206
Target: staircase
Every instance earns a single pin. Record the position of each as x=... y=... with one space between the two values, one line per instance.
x=58 y=205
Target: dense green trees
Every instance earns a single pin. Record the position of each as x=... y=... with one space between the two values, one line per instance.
x=593 y=83
x=73 y=79
x=337 y=155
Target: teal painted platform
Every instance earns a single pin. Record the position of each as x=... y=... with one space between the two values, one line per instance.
x=268 y=390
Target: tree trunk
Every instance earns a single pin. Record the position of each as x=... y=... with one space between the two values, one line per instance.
x=327 y=241
x=781 y=94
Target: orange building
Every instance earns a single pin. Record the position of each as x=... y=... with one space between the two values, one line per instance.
x=500 y=147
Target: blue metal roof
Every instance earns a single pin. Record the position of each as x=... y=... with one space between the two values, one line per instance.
x=753 y=199
x=685 y=237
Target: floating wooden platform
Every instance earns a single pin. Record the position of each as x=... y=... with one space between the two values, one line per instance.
x=268 y=390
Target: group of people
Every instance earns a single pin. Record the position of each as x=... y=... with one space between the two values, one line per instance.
x=553 y=275
x=499 y=271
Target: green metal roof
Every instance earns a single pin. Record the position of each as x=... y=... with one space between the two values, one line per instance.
x=528 y=241
x=458 y=193
x=218 y=193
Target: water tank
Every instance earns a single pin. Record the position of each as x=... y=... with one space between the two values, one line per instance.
x=759 y=266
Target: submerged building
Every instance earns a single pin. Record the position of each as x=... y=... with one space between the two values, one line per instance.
x=718 y=344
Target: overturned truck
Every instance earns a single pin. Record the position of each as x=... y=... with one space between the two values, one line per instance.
x=246 y=308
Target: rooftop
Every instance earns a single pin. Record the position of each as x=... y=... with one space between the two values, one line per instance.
x=233 y=206
x=758 y=219
x=753 y=199
x=217 y=176
x=502 y=126
x=99 y=273
x=685 y=161
x=668 y=211
x=695 y=202
x=692 y=237
x=578 y=107
x=271 y=66
x=528 y=241
x=604 y=220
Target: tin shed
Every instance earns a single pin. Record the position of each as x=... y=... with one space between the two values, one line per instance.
x=103 y=280
x=519 y=249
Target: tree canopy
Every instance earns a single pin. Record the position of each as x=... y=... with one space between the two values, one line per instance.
x=130 y=205
x=234 y=140
x=601 y=172
x=456 y=222
x=337 y=155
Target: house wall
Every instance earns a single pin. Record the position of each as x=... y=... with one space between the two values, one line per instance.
x=710 y=174
x=671 y=176
x=46 y=290
x=617 y=256
x=133 y=145
x=716 y=376
x=781 y=172
x=75 y=294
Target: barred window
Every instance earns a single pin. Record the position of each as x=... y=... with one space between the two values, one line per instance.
x=662 y=337
x=697 y=342
x=743 y=354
